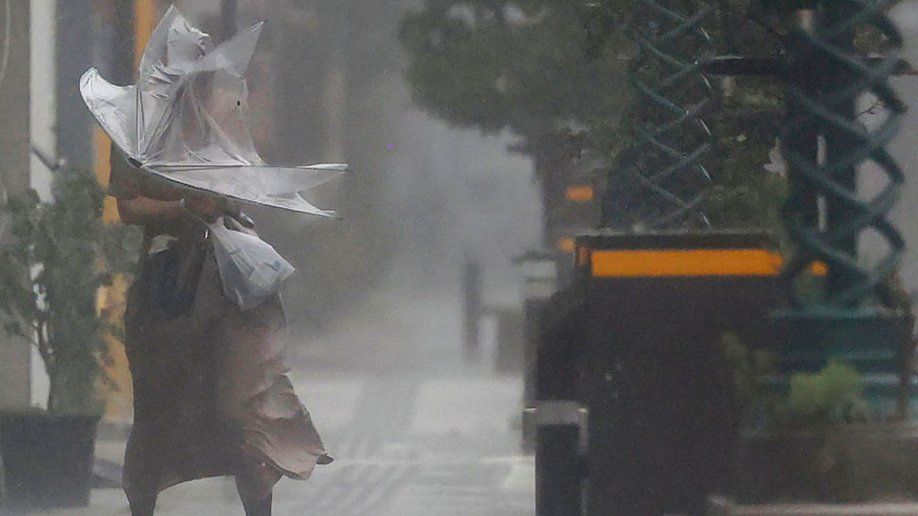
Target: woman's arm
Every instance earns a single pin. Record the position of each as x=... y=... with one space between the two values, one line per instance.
x=140 y=210
x=143 y=201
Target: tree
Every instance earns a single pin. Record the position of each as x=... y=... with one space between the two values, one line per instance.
x=740 y=130
x=515 y=65
x=555 y=73
x=57 y=256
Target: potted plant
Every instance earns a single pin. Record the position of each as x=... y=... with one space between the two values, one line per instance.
x=54 y=258
x=824 y=436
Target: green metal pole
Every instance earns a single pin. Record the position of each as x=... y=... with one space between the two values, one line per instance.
x=838 y=144
x=826 y=80
x=842 y=319
x=659 y=181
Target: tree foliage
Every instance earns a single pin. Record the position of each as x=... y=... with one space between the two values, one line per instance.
x=518 y=65
x=744 y=124
x=54 y=259
x=556 y=71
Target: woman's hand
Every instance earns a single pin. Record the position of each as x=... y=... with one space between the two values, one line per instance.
x=206 y=207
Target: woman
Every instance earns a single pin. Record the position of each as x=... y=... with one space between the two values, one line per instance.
x=211 y=396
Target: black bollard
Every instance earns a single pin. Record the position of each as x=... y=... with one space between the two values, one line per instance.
x=558 y=414
x=471 y=299
x=540 y=279
x=558 y=471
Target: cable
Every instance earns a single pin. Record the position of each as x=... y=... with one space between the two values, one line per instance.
x=8 y=24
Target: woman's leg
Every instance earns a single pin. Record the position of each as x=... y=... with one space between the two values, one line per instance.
x=141 y=495
x=143 y=505
x=255 y=482
x=140 y=481
x=261 y=507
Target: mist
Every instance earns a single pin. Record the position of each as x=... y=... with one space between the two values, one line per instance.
x=420 y=420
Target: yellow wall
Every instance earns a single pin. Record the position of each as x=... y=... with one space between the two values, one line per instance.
x=146 y=15
x=119 y=401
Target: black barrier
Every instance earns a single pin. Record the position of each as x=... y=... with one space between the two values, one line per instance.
x=558 y=414
x=636 y=341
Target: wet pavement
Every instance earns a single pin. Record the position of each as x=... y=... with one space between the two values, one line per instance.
x=415 y=428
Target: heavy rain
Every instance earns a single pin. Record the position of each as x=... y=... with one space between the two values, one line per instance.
x=588 y=258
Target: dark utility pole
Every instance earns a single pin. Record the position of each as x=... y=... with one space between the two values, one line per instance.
x=228 y=10
x=472 y=311
x=122 y=68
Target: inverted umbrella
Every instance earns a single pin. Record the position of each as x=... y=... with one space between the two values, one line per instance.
x=185 y=120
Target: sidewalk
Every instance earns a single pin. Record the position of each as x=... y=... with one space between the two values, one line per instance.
x=414 y=428
x=403 y=447
x=725 y=508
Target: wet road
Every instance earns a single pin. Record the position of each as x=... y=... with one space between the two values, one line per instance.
x=423 y=431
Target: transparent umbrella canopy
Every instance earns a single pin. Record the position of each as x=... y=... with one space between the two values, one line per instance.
x=185 y=121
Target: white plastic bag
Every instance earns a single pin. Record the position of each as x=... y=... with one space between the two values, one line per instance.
x=250 y=268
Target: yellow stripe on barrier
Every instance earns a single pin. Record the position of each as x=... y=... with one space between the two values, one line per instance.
x=685 y=262
x=819 y=269
x=145 y=18
x=579 y=194
x=566 y=244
